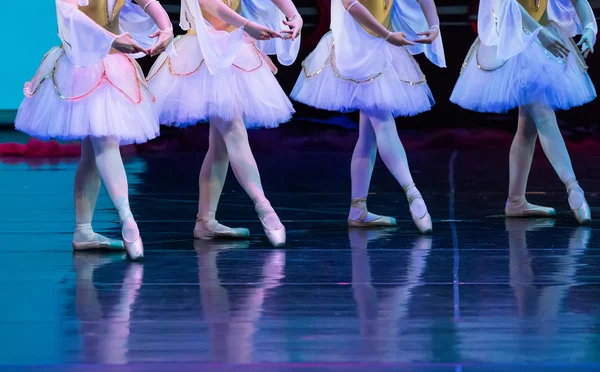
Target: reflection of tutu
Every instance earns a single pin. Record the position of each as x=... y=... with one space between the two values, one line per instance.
x=109 y=99
x=400 y=87
x=487 y=84
x=187 y=93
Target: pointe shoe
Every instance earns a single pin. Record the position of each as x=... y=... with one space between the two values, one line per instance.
x=276 y=234
x=380 y=221
x=518 y=207
x=135 y=248
x=580 y=208
x=423 y=223
x=101 y=243
x=208 y=228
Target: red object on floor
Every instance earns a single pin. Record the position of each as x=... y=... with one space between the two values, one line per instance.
x=36 y=148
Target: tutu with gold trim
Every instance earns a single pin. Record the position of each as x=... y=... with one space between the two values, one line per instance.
x=399 y=87
x=109 y=99
x=188 y=93
x=490 y=84
x=351 y=69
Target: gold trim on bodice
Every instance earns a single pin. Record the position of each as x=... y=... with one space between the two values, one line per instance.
x=97 y=10
x=219 y=24
x=536 y=9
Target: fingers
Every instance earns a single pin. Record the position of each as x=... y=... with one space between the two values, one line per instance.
x=563 y=48
x=154 y=34
x=274 y=34
x=424 y=33
x=409 y=43
x=402 y=34
x=586 y=53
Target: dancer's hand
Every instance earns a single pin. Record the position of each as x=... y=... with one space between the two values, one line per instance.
x=553 y=44
x=399 y=39
x=587 y=42
x=260 y=32
x=124 y=43
x=429 y=36
x=295 y=24
x=164 y=39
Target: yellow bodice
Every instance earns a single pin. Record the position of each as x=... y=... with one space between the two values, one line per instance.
x=381 y=10
x=536 y=8
x=218 y=23
x=97 y=10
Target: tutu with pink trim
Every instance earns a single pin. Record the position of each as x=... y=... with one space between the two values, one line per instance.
x=400 y=87
x=187 y=93
x=487 y=84
x=109 y=99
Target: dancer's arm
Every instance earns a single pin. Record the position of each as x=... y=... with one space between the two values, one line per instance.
x=163 y=22
x=218 y=9
x=295 y=21
x=548 y=40
x=365 y=18
x=430 y=12
x=588 y=20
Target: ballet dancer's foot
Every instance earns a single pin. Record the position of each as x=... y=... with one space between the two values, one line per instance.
x=85 y=239
x=274 y=229
x=578 y=204
x=360 y=217
x=517 y=206
x=208 y=228
x=418 y=209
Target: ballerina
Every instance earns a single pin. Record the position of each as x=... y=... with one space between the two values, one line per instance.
x=371 y=69
x=92 y=89
x=525 y=58
x=221 y=75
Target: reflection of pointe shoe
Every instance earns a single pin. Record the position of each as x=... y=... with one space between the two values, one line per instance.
x=276 y=232
x=134 y=248
x=377 y=221
x=100 y=243
x=578 y=204
x=533 y=224
x=219 y=245
x=579 y=240
x=423 y=222
x=209 y=228
x=517 y=206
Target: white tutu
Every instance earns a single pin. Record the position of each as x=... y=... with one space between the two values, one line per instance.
x=487 y=84
x=187 y=93
x=109 y=99
x=400 y=87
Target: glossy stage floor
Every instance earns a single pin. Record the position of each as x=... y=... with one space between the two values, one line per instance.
x=482 y=293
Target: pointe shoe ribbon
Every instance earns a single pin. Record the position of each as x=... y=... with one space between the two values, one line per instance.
x=423 y=223
x=380 y=221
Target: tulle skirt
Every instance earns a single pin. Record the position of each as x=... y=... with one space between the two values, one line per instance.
x=187 y=93
x=487 y=84
x=400 y=88
x=109 y=99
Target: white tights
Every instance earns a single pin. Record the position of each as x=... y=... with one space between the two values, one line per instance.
x=539 y=120
x=377 y=131
x=228 y=142
x=101 y=160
